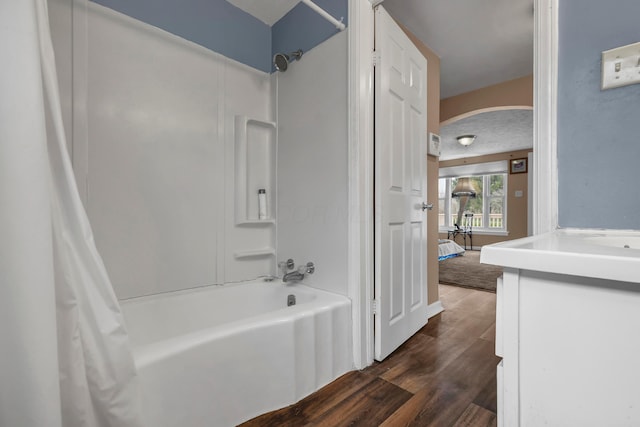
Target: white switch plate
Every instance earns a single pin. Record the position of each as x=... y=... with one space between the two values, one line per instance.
x=519 y=193
x=621 y=66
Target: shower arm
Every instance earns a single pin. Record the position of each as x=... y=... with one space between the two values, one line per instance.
x=339 y=25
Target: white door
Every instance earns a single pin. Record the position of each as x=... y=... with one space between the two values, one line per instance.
x=400 y=187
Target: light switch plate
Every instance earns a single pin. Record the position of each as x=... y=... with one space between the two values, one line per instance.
x=433 y=146
x=621 y=66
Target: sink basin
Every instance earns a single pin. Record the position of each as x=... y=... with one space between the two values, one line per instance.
x=602 y=254
x=625 y=242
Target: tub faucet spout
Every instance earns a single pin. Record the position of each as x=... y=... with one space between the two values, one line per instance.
x=299 y=274
x=294 y=276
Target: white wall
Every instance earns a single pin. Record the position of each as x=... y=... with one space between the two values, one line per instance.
x=312 y=163
x=160 y=112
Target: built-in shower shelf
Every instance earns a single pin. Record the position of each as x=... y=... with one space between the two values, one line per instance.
x=263 y=123
x=249 y=222
x=255 y=253
x=255 y=157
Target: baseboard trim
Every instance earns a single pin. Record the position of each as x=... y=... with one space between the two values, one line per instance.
x=434 y=308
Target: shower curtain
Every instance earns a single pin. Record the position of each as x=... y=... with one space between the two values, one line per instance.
x=65 y=358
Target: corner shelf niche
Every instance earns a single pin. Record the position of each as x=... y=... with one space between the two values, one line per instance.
x=255 y=253
x=255 y=156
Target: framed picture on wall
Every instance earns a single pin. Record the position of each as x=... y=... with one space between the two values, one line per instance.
x=518 y=166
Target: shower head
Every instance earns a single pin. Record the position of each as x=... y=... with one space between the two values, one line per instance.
x=281 y=60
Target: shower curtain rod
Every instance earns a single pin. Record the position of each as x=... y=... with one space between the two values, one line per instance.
x=339 y=25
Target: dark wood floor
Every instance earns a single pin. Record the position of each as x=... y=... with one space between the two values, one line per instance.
x=443 y=376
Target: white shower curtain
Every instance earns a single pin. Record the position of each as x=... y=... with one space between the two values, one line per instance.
x=65 y=358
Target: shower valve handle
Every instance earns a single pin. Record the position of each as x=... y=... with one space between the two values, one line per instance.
x=310 y=267
x=286 y=265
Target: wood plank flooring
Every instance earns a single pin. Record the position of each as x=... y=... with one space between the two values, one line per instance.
x=443 y=376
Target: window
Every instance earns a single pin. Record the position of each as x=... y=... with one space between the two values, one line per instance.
x=489 y=206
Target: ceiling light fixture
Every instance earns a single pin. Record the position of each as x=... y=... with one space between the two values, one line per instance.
x=466 y=140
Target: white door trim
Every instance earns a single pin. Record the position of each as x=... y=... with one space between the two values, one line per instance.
x=545 y=88
x=360 y=252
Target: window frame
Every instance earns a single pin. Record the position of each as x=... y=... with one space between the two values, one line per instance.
x=486 y=202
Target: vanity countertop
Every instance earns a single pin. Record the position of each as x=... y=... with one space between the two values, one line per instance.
x=604 y=254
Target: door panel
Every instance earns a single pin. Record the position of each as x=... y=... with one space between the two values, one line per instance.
x=400 y=188
x=396 y=259
x=396 y=157
x=417 y=280
x=417 y=181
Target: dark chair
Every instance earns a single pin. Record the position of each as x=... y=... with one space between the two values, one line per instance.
x=465 y=229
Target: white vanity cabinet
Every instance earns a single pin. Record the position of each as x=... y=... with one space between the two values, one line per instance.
x=568 y=329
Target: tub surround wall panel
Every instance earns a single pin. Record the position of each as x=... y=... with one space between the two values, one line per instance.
x=598 y=148
x=157 y=112
x=160 y=113
x=214 y=24
x=312 y=163
x=153 y=118
x=248 y=93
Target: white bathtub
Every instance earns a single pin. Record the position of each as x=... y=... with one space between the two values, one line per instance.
x=220 y=355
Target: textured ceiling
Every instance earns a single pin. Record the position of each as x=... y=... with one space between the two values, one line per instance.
x=496 y=131
x=479 y=42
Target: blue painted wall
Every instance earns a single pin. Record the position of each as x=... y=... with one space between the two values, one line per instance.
x=223 y=28
x=598 y=131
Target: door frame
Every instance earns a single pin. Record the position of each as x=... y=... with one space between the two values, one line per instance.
x=360 y=153
x=360 y=264
x=545 y=89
